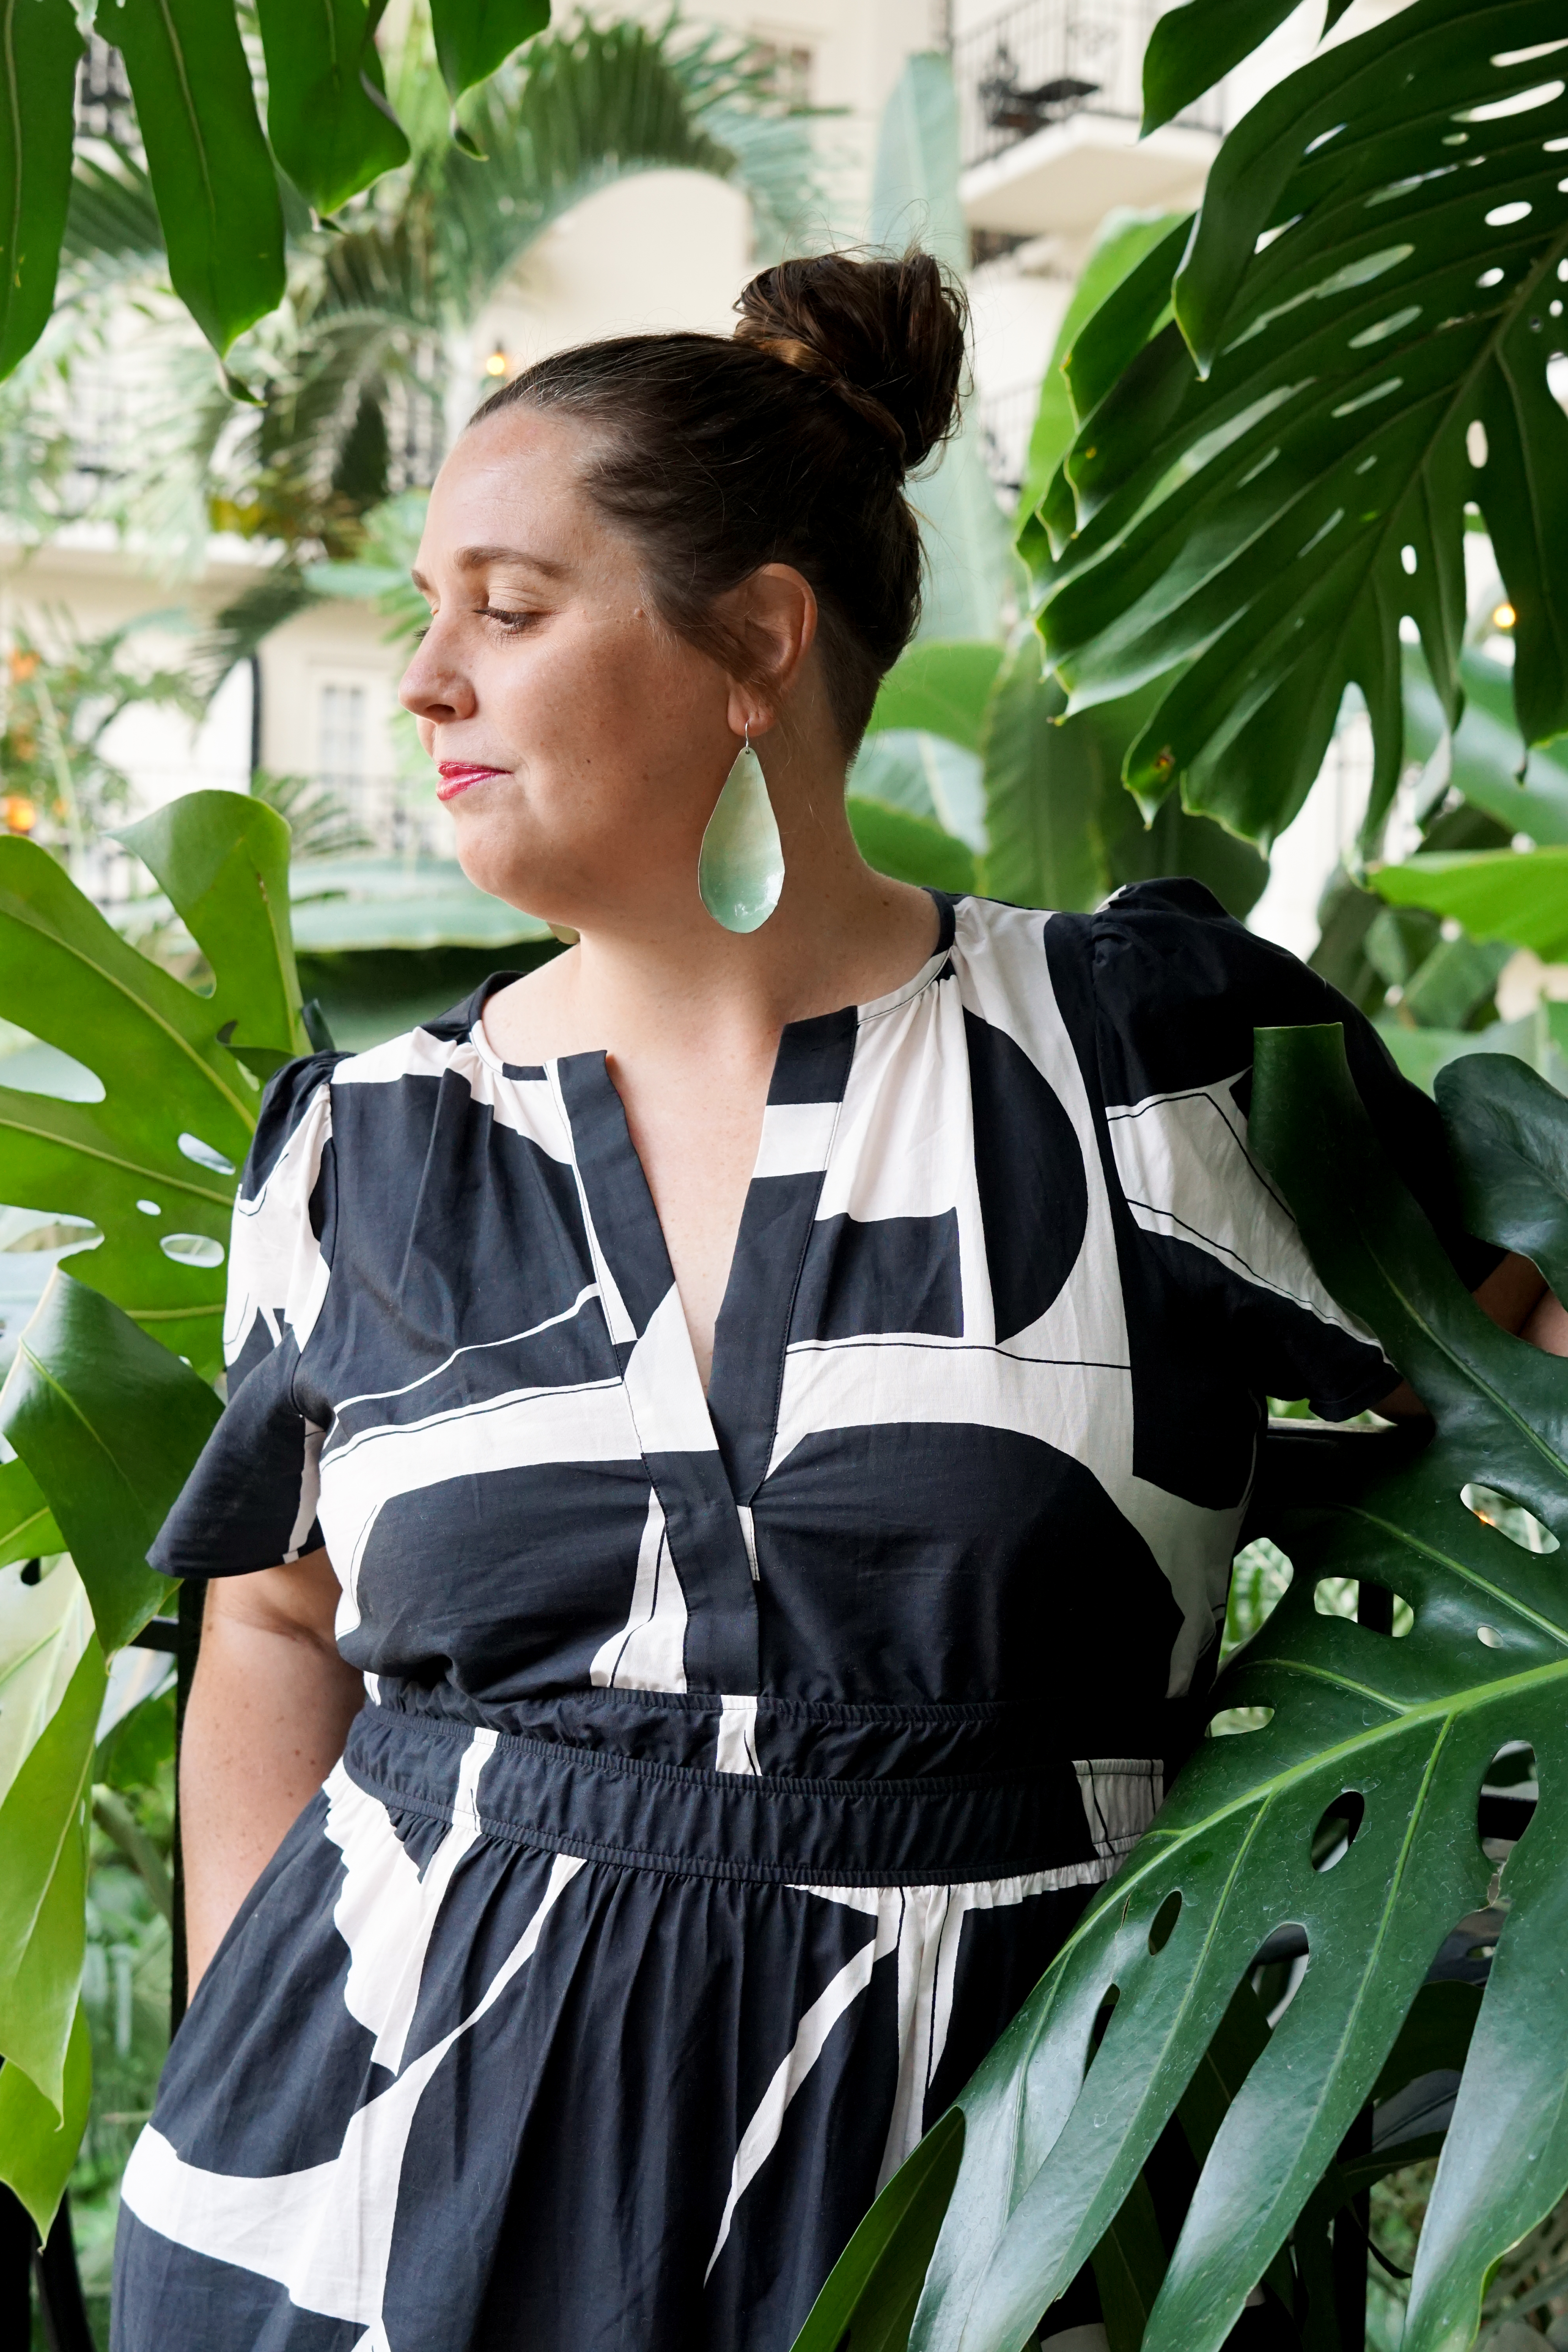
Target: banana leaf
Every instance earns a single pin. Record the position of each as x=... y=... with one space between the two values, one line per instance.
x=1497 y=894
x=1349 y=1809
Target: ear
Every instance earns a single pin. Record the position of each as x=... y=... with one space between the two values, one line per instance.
x=773 y=615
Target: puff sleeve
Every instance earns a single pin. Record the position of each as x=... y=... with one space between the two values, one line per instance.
x=1180 y=987
x=250 y=1502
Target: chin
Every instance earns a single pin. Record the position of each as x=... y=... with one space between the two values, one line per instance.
x=488 y=852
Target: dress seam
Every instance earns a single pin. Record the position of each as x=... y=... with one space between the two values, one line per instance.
x=805 y=1874
x=744 y=1785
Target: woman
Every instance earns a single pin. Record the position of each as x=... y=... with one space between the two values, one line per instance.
x=697 y=1414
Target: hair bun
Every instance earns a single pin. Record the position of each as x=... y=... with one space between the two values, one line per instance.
x=886 y=336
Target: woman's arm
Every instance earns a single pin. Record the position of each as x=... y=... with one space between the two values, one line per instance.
x=1517 y=1299
x=268 y=1714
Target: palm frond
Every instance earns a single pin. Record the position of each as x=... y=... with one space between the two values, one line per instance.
x=579 y=111
x=112 y=217
x=239 y=629
x=319 y=818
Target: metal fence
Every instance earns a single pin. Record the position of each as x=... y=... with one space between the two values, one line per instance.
x=1040 y=61
x=1005 y=420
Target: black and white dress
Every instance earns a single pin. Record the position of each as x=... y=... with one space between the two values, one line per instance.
x=731 y=1767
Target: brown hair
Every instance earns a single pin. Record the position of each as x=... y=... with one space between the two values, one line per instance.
x=787 y=444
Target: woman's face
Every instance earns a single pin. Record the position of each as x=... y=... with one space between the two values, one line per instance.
x=580 y=743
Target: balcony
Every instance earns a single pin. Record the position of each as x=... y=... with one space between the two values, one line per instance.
x=1049 y=102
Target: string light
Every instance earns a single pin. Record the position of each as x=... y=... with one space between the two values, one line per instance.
x=496 y=365
x=21 y=813
x=1504 y=616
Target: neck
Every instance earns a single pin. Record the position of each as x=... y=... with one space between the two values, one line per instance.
x=661 y=978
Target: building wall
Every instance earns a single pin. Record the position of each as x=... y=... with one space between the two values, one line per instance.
x=674 y=249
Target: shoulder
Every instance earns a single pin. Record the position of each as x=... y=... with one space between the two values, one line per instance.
x=286 y=1103
x=1179 y=987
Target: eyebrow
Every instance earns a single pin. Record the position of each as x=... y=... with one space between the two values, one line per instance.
x=478 y=559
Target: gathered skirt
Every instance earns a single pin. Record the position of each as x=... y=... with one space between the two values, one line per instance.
x=531 y=2042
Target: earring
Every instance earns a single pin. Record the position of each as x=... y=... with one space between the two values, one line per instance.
x=740 y=870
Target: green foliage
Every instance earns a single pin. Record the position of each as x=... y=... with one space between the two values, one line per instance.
x=26 y=1526
x=1261 y=487
x=373 y=903
x=1247 y=1841
x=108 y=1422
x=868 y=2302
x=1192 y=47
x=321 y=822
x=1060 y=829
x=1043 y=787
x=378 y=571
x=219 y=205
x=327 y=113
x=212 y=177
x=178 y=1106
x=135 y=1751
x=43 y=1866
x=38 y=2140
x=223 y=860
x=57 y=709
x=941 y=688
x=1499 y=894
x=1124 y=239
x=910 y=848
x=1479 y=760
x=41 y=40
x=44 y=1626
x=473 y=37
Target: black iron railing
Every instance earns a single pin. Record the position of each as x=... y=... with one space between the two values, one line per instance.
x=1040 y=61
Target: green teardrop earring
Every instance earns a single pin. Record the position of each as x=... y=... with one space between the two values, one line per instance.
x=740 y=871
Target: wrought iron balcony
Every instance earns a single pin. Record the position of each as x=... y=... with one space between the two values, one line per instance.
x=1040 y=61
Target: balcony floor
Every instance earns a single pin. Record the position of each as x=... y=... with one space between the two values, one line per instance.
x=1065 y=178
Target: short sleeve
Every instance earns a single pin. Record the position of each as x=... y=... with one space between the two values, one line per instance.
x=1180 y=987
x=250 y=1502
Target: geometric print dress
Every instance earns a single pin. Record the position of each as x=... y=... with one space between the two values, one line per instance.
x=731 y=1765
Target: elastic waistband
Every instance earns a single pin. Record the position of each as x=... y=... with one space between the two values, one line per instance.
x=1066 y=1816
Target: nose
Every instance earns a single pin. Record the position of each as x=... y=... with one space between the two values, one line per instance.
x=435 y=685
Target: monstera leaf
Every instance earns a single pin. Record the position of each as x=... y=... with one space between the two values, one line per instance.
x=1263 y=486
x=153 y=1164
x=1193 y=48
x=106 y=1423
x=1349 y=1816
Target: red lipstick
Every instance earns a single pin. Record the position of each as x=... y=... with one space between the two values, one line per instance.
x=456 y=775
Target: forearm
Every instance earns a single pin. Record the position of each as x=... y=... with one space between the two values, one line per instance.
x=269 y=1711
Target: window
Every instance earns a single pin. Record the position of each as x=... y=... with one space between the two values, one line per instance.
x=787 y=71
x=340 y=734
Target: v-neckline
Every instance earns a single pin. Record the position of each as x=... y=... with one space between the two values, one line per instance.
x=810 y=1068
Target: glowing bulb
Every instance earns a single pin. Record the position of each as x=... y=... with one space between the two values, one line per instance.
x=21 y=813
x=1504 y=616
x=497 y=363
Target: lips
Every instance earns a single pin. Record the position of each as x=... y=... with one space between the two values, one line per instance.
x=456 y=775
